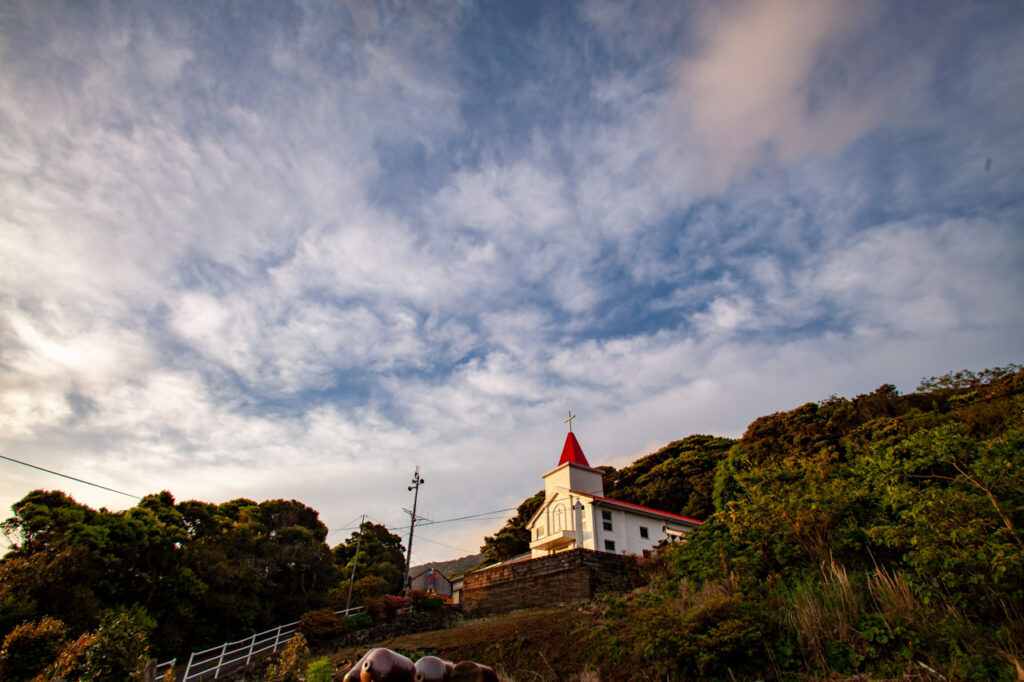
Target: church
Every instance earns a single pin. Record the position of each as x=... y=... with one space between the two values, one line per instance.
x=576 y=514
x=581 y=543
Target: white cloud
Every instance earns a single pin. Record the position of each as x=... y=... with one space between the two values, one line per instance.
x=204 y=290
x=929 y=281
x=512 y=201
x=748 y=95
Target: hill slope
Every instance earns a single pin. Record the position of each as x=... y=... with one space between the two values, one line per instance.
x=878 y=535
x=451 y=568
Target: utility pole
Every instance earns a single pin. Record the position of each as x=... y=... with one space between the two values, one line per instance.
x=352 y=579
x=416 y=483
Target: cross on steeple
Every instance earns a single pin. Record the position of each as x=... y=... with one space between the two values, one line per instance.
x=569 y=420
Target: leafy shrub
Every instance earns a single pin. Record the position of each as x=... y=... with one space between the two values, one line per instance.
x=71 y=662
x=289 y=667
x=322 y=626
x=359 y=621
x=702 y=632
x=384 y=609
x=117 y=650
x=30 y=647
x=319 y=670
x=421 y=601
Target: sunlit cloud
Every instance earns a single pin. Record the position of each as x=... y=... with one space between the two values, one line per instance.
x=298 y=253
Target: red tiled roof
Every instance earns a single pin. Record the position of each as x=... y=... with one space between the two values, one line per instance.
x=646 y=509
x=572 y=453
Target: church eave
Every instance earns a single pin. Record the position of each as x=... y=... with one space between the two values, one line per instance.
x=629 y=506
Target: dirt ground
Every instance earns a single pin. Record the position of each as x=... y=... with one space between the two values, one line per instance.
x=534 y=644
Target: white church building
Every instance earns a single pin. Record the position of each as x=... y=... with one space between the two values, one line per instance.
x=576 y=514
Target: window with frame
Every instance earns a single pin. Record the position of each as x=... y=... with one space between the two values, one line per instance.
x=606 y=519
x=643 y=532
x=609 y=545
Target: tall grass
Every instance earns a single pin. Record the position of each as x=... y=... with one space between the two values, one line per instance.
x=894 y=598
x=824 y=610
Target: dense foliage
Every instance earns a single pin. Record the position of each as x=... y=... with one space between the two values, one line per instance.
x=379 y=566
x=206 y=573
x=877 y=536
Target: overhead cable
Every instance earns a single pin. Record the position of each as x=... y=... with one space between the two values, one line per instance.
x=57 y=473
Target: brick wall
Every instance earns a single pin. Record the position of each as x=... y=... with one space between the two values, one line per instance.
x=563 y=577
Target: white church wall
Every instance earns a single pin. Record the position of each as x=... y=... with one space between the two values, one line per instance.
x=639 y=526
x=611 y=528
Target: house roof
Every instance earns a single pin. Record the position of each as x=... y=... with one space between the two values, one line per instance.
x=629 y=505
x=525 y=556
x=428 y=570
x=572 y=453
x=598 y=500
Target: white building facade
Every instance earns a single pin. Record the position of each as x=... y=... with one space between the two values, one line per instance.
x=576 y=514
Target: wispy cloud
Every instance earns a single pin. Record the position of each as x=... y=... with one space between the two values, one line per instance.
x=298 y=252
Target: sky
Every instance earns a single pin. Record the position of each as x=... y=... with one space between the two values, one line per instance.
x=297 y=249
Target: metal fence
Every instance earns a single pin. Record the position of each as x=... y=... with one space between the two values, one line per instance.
x=212 y=663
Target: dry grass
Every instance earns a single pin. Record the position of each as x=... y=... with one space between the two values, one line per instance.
x=710 y=591
x=825 y=610
x=896 y=601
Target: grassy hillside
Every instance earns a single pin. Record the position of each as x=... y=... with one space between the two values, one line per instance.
x=879 y=536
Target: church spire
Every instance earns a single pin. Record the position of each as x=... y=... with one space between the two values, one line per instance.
x=572 y=453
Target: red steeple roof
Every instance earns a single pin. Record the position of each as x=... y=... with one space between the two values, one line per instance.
x=572 y=453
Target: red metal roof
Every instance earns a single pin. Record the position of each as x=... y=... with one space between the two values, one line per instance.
x=572 y=453
x=646 y=509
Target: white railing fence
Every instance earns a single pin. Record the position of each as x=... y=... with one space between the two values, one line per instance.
x=213 y=662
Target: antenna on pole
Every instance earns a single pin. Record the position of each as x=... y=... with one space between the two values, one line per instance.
x=352 y=579
x=416 y=483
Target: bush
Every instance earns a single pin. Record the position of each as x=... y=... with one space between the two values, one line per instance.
x=384 y=609
x=421 y=601
x=30 y=647
x=117 y=650
x=289 y=667
x=319 y=670
x=359 y=621
x=322 y=626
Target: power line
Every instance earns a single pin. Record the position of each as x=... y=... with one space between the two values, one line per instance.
x=347 y=526
x=459 y=518
x=461 y=549
x=57 y=473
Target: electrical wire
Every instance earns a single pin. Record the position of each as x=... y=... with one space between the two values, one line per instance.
x=458 y=518
x=57 y=473
x=461 y=549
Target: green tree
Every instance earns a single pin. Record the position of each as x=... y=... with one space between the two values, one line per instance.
x=678 y=479
x=380 y=567
x=513 y=538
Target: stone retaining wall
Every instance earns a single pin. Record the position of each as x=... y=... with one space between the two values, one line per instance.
x=563 y=577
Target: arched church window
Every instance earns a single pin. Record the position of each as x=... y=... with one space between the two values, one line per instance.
x=558 y=522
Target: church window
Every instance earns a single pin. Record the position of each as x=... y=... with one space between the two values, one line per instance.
x=643 y=532
x=609 y=545
x=559 y=521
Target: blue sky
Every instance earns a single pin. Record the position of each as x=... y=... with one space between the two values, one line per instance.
x=296 y=249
